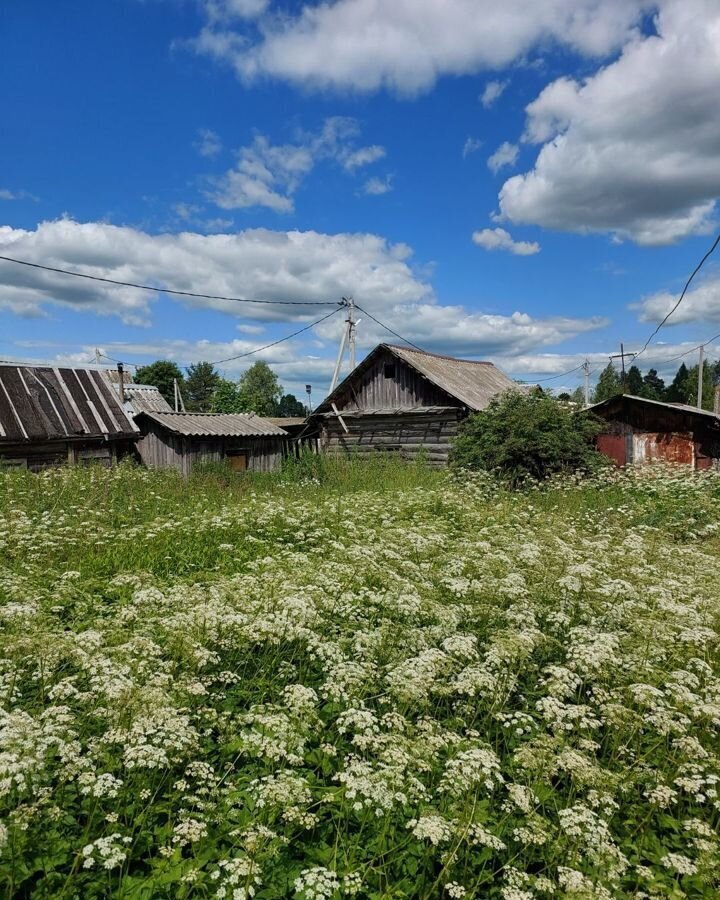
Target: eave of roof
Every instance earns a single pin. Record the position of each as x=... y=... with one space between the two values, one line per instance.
x=682 y=407
x=213 y=424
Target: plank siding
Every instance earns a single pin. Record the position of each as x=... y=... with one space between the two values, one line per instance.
x=406 y=388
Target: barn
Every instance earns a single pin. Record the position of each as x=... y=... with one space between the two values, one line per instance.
x=637 y=430
x=181 y=440
x=52 y=415
x=406 y=401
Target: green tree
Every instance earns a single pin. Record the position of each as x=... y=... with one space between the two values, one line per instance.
x=653 y=386
x=678 y=391
x=200 y=385
x=564 y=397
x=225 y=398
x=259 y=390
x=290 y=406
x=527 y=435
x=162 y=374
x=708 y=389
x=578 y=397
x=634 y=381
x=608 y=384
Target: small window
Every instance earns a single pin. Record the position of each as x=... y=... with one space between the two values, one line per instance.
x=389 y=370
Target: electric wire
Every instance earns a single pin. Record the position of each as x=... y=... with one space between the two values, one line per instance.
x=387 y=328
x=553 y=377
x=163 y=290
x=682 y=295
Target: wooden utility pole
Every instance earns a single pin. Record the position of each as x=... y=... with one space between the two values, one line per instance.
x=586 y=375
x=621 y=356
x=700 y=378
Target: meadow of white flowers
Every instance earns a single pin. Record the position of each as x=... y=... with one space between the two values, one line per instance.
x=439 y=691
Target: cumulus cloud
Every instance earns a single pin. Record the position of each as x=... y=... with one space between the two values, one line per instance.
x=505 y=155
x=252 y=264
x=632 y=150
x=700 y=304
x=499 y=239
x=269 y=174
x=492 y=92
x=365 y=45
x=376 y=186
x=260 y=264
x=208 y=143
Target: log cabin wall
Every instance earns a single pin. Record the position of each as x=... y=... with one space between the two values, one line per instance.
x=392 y=384
x=410 y=434
x=38 y=455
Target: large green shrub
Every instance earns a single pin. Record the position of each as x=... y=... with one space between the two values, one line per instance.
x=521 y=436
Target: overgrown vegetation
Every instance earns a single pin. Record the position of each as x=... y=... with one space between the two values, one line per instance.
x=527 y=436
x=343 y=680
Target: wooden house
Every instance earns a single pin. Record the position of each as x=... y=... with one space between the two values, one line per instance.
x=406 y=401
x=181 y=440
x=52 y=415
x=637 y=430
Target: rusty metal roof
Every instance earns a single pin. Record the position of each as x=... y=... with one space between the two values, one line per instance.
x=677 y=407
x=214 y=424
x=473 y=382
x=46 y=403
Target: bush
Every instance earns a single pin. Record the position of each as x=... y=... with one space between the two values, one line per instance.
x=527 y=436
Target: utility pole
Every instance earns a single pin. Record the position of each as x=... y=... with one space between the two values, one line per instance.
x=700 y=378
x=97 y=354
x=348 y=338
x=586 y=375
x=308 y=391
x=621 y=356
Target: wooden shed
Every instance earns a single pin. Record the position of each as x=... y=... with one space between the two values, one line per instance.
x=180 y=440
x=637 y=430
x=406 y=401
x=53 y=415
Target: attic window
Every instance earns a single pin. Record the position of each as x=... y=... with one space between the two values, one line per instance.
x=389 y=370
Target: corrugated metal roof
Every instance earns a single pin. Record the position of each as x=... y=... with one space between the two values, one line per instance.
x=46 y=403
x=144 y=398
x=683 y=407
x=286 y=421
x=473 y=383
x=215 y=424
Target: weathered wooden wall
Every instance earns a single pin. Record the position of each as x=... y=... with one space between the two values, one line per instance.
x=405 y=433
x=43 y=454
x=159 y=449
x=405 y=389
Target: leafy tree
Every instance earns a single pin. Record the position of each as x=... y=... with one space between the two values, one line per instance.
x=634 y=381
x=608 y=384
x=259 y=390
x=527 y=435
x=578 y=397
x=678 y=391
x=290 y=406
x=564 y=397
x=653 y=386
x=162 y=374
x=708 y=389
x=200 y=385
x=225 y=398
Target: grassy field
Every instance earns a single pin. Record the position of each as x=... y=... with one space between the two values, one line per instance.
x=350 y=680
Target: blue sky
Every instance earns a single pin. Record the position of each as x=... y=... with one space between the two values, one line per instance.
x=529 y=183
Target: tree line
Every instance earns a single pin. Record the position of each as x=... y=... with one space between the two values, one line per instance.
x=682 y=389
x=203 y=389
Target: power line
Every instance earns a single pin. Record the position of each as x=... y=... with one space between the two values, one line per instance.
x=387 y=328
x=553 y=377
x=162 y=290
x=273 y=343
x=680 y=299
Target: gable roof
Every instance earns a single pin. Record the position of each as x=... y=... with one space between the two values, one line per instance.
x=214 y=424
x=473 y=382
x=46 y=403
x=676 y=407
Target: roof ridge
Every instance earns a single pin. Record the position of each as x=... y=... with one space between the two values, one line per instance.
x=478 y=362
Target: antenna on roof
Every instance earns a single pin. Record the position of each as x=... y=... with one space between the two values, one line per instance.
x=348 y=337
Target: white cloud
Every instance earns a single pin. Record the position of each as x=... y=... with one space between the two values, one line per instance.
x=471 y=145
x=700 y=304
x=269 y=174
x=633 y=150
x=226 y=10
x=208 y=143
x=376 y=186
x=499 y=239
x=365 y=45
x=505 y=155
x=5 y=194
x=492 y=92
